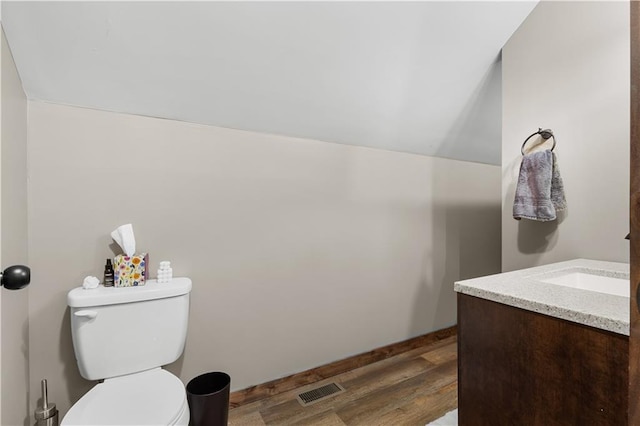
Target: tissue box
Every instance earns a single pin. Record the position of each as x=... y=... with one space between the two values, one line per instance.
x=130 y=271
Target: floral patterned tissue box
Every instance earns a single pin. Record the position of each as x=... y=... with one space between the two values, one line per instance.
x=130 y=271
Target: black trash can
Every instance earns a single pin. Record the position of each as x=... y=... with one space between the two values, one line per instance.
x=208 y=398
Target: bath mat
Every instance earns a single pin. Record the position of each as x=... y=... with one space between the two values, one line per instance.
x=449 y=419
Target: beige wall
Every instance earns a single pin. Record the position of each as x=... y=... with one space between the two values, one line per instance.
x=301 y=252
x=567 y=68
x=15 y=325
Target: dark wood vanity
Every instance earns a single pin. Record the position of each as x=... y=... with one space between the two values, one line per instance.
x=517 y=367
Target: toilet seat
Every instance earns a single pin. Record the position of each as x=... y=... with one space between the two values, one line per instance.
x=153 y=397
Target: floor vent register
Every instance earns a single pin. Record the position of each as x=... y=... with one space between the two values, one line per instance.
x=319 y=394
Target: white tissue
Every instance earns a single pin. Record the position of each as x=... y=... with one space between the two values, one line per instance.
x=90 y=283
x=123 y=235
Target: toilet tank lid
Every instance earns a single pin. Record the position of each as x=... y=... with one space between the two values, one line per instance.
x=81 y=298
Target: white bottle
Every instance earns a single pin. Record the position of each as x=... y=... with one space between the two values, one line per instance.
x=165 y=273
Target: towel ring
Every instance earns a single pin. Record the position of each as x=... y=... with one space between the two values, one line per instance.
x=546 y=134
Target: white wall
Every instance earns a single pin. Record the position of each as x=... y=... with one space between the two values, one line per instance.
x=301 y=252
x=14 y=311
x=406 y=76
x=567 y=68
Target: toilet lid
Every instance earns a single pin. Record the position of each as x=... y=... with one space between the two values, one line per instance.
x=154 y=397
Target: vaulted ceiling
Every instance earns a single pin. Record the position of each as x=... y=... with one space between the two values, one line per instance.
x=420 y=77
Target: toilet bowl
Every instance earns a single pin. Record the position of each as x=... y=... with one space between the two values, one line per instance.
x=154 y=397
x=123 y=336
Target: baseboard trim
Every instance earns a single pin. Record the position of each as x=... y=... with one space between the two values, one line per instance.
x=274 y=387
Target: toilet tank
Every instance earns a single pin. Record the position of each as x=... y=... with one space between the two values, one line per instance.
x=118 y=331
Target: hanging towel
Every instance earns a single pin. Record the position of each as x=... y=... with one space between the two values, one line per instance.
x=540 y=192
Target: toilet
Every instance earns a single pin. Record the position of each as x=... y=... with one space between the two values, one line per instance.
x=124 y=336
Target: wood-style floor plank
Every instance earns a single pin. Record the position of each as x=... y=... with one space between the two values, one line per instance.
x=381 y=401
x=357 y=388
x=326 y=418
x=411 y=388
x=250 y=419
x=442 y=355
x=414 y=413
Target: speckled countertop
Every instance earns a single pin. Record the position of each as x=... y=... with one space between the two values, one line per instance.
x=523 y=289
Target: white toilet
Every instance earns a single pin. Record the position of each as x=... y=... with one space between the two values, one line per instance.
x=124 y=335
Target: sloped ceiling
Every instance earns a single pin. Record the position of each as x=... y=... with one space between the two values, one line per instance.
x=420 y=77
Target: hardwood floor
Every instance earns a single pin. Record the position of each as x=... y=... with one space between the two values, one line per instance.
x=411 y=388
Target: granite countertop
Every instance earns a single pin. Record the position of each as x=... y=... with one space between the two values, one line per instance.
x=523 y=289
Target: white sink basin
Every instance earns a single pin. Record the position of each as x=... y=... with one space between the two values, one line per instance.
x=590 y=281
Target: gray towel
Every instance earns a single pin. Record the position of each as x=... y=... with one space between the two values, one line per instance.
x=540 y=193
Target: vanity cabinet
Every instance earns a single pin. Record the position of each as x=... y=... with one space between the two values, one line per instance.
x=518 y=367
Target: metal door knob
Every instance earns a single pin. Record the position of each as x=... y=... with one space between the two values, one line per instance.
x=15 y=277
